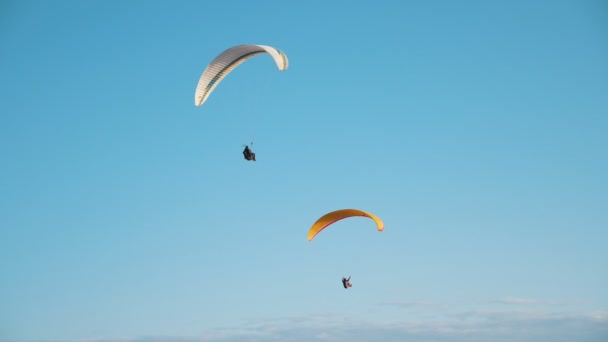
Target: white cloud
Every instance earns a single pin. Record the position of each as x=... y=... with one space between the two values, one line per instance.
x=411 y=304
x=468 y=326
x=462 y=326
x=517 y=301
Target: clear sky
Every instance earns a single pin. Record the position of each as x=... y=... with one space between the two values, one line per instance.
x=476 y=130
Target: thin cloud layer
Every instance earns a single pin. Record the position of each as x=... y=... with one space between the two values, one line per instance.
x=517 y=301
x=470 y=326
x=466 y=326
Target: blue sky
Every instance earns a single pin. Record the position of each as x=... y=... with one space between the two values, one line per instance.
x=476 y=130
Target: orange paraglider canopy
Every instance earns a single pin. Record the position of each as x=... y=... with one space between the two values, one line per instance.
x=334 y=216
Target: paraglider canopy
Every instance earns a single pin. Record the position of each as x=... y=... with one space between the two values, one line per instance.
x=334 y=216
x=225 y=62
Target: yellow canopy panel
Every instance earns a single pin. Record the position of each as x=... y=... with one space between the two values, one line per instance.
x=334 y=216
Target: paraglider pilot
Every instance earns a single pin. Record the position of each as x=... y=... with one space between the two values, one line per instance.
x=248 y=154
x=346 y=282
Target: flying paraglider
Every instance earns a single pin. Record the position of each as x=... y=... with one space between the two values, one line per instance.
x=334 y=216
x=226 y=61
x=248 y=154
x=346 y=282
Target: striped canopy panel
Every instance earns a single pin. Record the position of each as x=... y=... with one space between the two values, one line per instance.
x=225 y=62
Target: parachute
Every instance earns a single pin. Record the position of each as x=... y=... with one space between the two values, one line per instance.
x=334 y=216
x=225 y=62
